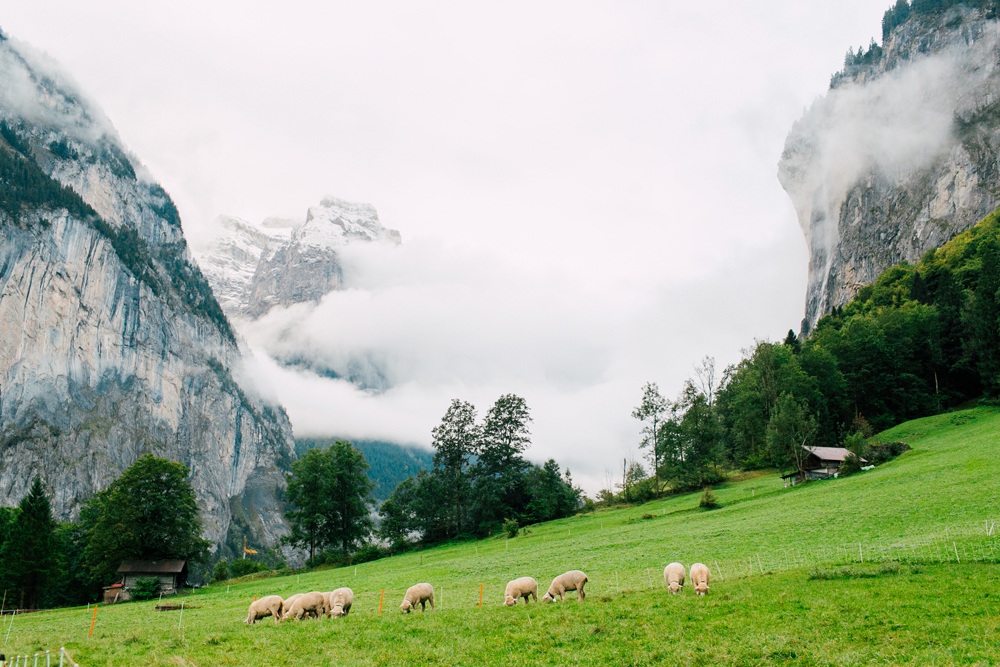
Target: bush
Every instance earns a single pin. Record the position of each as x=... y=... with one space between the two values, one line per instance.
x=851 y=465
x=881 y=452
x=145 y=589
x=510 y=526
x=244 y=566
x=708 y=500
x=221 y=571
x=647 y=516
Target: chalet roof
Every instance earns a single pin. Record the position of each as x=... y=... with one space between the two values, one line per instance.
x=831 y=453
x=152 y=566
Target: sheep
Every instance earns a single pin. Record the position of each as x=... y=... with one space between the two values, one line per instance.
x=288 y=605
x=308 y=604
x=338 y=603
x=266 y=606
x=520 y=588
x=573 y=580
x=418 y=594
x=673 y=574
x=699 y=578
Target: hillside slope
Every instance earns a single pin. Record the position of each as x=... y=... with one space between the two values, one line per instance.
x=910 y=521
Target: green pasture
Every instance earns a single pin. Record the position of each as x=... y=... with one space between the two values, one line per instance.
x=892 y=566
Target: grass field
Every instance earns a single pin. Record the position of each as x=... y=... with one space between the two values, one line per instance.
x=893 y=566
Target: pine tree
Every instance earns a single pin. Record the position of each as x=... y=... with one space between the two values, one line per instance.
x=350 y=494
x=455 y=441
x=30 y=553
x=651 y=410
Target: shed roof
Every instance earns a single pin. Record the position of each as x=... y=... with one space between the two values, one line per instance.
x=152 y=566
x=831 y=453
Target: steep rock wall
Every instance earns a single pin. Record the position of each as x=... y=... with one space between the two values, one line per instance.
x=111 y=343
x=899 y=156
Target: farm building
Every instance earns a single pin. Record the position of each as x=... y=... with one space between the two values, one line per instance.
x=171 y=574
x=821 y=463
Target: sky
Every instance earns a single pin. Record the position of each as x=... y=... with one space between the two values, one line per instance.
x=586 y=192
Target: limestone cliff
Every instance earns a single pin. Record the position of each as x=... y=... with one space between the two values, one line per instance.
x=900 y=154
x=111 y=342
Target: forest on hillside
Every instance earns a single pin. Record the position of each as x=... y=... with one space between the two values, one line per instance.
x=921 y=339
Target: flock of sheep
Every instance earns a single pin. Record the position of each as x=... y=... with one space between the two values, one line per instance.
x=338 y=603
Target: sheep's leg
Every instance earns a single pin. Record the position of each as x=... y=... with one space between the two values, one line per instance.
x=582 y=594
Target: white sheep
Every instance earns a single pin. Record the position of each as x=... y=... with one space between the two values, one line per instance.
x=264 y=607
x=418 y=594
x=338 y=603
x=520 y=588
x=699 y=578
x=573 y=580
x=288 y=605
x=673 y=574
x=307 y=604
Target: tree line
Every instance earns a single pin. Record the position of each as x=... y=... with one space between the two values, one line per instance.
x=148 y=513
x=921 y=339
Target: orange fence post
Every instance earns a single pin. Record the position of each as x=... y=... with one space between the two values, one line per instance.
x=92 y=621
x=480 y=596
x=381 y=597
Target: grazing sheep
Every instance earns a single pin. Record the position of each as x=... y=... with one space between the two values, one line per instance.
x=520 y=588
x=288 y=605
x=418 y=594
x=573 y=580
x=264 y=607
x=699 y=578
x=338 y=603
x=308 y=604
x=673 y=574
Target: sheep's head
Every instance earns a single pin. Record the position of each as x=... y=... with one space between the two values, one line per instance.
x=509 y=601
x=337 y=611
x=701 y=589
x=405 y=607
x=675 y=587
x=548 y=598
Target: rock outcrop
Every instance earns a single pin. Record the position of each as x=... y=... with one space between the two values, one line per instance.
x=280 y=263
x=111 y=342
x=900 y=155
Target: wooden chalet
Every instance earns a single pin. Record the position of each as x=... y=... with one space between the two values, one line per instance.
x=171 y=574
x=821 y=463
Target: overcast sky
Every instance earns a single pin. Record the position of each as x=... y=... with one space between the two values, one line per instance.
x=586 y=191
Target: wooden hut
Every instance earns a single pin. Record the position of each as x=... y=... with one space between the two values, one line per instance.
x=171 y=574
x=820 y=463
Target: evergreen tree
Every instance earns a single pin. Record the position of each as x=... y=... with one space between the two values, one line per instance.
x=350 y=496
x=651 y=411
x=456 y=441
x=792 y=341
x=31 y=551
x=985 y=315
x=499 y=471
x=310 y=513
x=789 y=431
x=148 y=513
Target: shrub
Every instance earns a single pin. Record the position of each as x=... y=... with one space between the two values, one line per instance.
x=244 y=566
x=647 y=516
x=708 y=500
x=510 y=526
x=145 y=589
x=221 y=571
x=851 y=465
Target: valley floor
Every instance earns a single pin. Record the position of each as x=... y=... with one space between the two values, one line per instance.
x=894 y=566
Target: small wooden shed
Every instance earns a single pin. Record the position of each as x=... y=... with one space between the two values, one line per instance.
x=820 y=463
x=172 y=574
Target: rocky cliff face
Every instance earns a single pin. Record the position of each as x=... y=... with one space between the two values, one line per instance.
x=900 y=155
x=112 y=344
x=280 y=262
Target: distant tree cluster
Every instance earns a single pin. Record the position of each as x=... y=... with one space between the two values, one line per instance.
x=919 y=340
x=480 y=481
x=148 y=513
x=330 y=497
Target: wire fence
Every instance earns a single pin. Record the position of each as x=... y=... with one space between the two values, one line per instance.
x=45 y=659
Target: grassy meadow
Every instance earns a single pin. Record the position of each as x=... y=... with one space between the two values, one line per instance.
x=892 y=566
